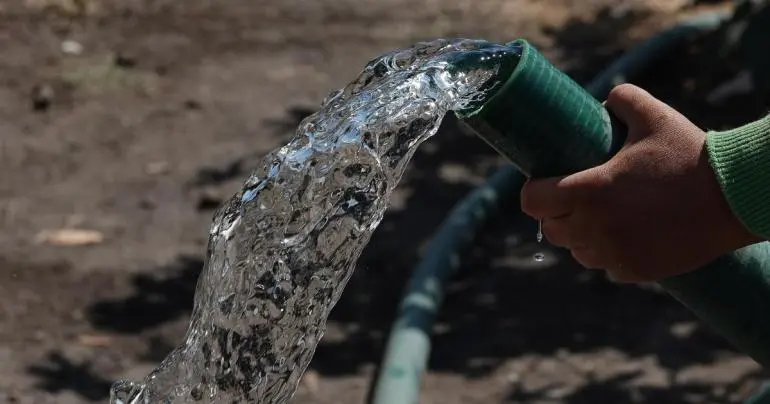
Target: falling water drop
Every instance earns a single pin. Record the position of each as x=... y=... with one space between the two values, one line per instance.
x=540 y=231
x=539 y=256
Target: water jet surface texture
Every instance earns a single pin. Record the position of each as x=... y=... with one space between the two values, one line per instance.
x=282 y=249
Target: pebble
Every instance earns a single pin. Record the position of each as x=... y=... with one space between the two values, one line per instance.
x=70 y=47
x=42 y=97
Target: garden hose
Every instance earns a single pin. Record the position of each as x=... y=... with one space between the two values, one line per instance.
x=408 y=346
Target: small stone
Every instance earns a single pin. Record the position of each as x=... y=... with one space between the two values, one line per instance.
x=147 y=203
x=192 y=104
x=455 y=173
x=124 y=60
x=42 y=97
x=683 y=330
x=70 y=47
x=12 y=396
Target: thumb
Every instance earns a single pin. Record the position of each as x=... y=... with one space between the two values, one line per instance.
x=636 y=108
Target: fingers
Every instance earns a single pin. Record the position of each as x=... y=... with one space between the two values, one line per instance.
x=577 y=232
x=599 y=259
x=556 y=231
x=571 y=232
x=558 y=196
x=546 y=198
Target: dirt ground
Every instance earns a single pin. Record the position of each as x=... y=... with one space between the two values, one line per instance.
x=123 y=124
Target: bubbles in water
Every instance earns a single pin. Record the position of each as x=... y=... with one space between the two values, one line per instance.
x=282 y=249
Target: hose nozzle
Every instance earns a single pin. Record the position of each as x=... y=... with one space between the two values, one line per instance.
x=542 y=120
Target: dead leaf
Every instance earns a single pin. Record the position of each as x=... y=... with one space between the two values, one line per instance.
x=94 y=340
x=70 y=237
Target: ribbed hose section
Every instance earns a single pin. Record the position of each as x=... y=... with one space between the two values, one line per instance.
x=544 y=122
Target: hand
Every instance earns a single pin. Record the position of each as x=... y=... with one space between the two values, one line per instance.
x=654 y=210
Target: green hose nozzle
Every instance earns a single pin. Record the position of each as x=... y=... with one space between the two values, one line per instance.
x=543 y=121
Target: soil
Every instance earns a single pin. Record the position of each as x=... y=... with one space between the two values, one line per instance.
x=125 y=123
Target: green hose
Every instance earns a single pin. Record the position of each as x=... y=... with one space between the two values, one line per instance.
x=408 y=347
x=544 y=122
x=632 y=63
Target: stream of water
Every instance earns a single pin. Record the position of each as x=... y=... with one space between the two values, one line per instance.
x=282 y=249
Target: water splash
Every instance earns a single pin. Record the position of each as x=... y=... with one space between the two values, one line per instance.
x=282 y=249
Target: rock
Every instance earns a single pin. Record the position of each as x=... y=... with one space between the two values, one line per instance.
x=125 y=60
x=70 y=47
x=192 y=104
x=42 y=97
x=147 y=203
x=683 y=330
x=12 y=396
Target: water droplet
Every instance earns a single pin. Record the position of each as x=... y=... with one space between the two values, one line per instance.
x=539 y=257
x=540 y=231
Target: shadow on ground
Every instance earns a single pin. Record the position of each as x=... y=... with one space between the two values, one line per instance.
x=58 y=373
x=157 y=301
x=615 y=390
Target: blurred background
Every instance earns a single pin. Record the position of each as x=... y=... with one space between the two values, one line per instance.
x=125 y=123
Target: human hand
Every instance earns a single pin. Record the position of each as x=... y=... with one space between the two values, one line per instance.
x=652 y=211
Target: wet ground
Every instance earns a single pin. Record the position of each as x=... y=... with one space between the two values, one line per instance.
x=123 y=124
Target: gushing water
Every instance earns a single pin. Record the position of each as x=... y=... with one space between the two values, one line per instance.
x=282 y=249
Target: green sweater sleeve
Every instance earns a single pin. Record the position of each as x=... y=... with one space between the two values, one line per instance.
x=741 y=160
